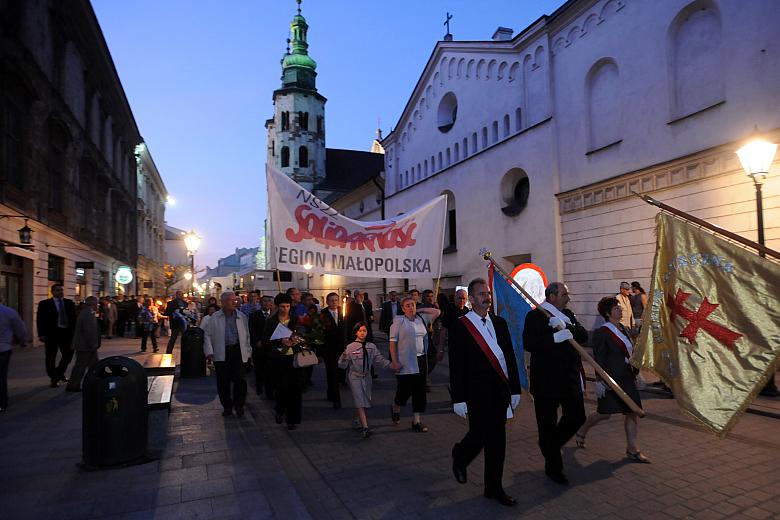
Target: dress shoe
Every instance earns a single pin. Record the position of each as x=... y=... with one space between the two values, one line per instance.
x=240 y=411
x=558 y=478
x=460 y=473
x=502 y=498
x=54 y=383
x=227 y=413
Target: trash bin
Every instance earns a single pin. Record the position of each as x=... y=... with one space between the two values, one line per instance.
x=193 y=360
x=114 y=416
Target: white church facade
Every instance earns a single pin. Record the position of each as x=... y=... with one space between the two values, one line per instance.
x=539 y=139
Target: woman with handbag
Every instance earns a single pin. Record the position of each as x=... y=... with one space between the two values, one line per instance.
x=288 y=378
x=612 y=349
x=408 y=350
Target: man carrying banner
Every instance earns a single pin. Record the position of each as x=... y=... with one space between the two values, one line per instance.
x=485 y=388
x=557 y=376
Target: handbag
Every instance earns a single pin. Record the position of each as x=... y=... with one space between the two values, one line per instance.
x=305 y=358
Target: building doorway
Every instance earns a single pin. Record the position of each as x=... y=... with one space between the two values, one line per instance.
x=11 y=274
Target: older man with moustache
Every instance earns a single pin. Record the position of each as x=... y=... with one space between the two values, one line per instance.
x=485 y=385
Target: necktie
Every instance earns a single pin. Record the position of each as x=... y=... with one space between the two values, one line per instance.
x=61 y=320
x=365 y=357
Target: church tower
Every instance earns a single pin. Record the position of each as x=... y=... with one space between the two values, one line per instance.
x=296 y=134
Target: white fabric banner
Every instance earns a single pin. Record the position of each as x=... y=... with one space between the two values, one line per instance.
x=306 y=231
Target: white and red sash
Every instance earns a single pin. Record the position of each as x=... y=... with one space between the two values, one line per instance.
x=622 y=341
x=491 y=357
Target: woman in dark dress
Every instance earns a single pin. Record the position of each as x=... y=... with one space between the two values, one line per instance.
x=612 y=349
x=288 y=380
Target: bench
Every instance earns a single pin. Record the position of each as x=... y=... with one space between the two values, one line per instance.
x=159 y=370
x=159 y=364
x=159 y=391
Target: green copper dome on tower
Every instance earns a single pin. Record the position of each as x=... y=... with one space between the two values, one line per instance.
x=299 y=56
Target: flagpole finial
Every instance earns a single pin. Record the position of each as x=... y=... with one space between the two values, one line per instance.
x=486 y=255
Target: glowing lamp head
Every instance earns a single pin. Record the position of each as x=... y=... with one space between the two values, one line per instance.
x=191 y=242
x=756 y=157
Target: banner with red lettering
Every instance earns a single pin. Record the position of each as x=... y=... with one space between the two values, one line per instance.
x=309 y=235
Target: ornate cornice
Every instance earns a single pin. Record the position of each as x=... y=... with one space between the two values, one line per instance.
x=707 y=164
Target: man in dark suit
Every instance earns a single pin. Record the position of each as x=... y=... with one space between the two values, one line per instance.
x=557 y=378
x=484 y=384
x=176 y=326
x=390 y=309
x=333 y=322
x=56 y=320
x=256 y=325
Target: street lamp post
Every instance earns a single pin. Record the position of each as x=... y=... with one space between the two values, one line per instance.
x=756 y=157
x=192 y=242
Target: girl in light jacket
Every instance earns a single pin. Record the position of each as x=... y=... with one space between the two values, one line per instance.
x=359 y=358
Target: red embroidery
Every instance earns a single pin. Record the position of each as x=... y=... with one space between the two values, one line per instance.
x=698 y=320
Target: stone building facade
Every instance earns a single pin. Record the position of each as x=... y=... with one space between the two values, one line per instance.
x=152 y=197
x=67 y=162
x=538 y=139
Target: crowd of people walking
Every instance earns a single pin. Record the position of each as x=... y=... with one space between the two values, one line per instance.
x=281 y=338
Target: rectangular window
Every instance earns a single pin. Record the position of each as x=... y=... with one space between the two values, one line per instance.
x=11 y=145
x=56 y=268
x=56 y=190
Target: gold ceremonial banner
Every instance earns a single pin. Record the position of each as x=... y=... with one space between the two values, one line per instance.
x=712 y=324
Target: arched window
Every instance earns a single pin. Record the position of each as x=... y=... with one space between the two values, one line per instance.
x=285 y=121
x=696 y=58
x=518 y=120
x=449 y=157
x=426 y=167
x=506 y=125
x=285 y=157
x=494 y=135
x=303 y=157
x=465 y=147
x=456 y=152
x=419 y=172
x=484 y=137
x=515 y=189
x=474 y=147
x=604 y=98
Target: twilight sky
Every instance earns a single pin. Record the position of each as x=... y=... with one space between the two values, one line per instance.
x=199 y=76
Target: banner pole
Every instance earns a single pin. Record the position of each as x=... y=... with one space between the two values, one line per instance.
x=279 y=280
x=487 y=255
x=712 y=227
x=436 y=291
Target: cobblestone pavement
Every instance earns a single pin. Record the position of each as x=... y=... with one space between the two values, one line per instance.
x=253 y=468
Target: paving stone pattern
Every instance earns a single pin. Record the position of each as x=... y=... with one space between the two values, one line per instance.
x=214 y=467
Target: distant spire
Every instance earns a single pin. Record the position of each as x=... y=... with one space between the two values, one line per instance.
x=299 y=6
x=378 y=129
